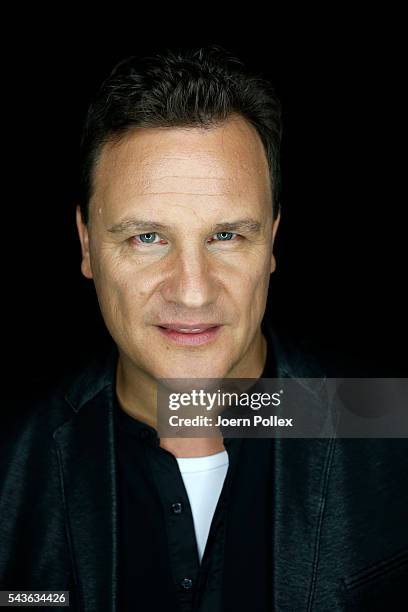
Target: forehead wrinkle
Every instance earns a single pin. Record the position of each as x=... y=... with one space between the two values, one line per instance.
x=150 y=161
x=186 y=184
x=191 y=183
x=189 y=193
x=216 y=166
x=174 y=188
x=198 y=178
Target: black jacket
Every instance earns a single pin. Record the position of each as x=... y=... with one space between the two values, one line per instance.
x=340 y=520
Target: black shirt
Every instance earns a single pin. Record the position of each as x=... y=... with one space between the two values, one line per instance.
x=159 y=566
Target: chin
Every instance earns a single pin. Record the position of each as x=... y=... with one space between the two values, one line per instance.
x=202 y=369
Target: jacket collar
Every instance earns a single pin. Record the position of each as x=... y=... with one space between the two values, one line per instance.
x=87 y=459
x=89 y=382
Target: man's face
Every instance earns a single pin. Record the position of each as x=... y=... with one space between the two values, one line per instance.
x=180 y=238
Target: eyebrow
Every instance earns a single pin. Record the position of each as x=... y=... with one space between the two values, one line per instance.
x=248 y=225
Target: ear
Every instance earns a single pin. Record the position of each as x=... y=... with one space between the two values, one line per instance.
x=274 y=230
x=84 y=239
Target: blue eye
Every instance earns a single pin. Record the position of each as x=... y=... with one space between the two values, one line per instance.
x=147 y=238
x=222 y=236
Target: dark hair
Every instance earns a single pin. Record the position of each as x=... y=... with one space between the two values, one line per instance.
x=200 y=87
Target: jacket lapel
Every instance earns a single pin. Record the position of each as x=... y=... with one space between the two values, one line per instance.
x=300 y=477
x=301 y=472
x=86 y=454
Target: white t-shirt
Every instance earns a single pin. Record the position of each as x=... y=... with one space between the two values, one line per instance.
x=203 y=479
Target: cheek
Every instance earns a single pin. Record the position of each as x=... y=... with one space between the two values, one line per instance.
x=251 y=295
x=119 y=293
x=120 y=280
x=250 y=283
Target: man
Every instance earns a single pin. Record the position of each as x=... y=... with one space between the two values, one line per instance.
x=177 y=224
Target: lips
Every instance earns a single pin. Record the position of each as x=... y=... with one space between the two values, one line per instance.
x=184 y=334
x=184 y=328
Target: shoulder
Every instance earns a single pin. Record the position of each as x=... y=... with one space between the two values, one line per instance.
x=36 y=410
x=39 y=407
x=293 y=356
x=299 y=356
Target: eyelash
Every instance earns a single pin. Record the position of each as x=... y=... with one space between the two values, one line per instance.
x=160 y=242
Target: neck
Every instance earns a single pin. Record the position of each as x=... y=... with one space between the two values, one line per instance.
x=136 y=392
x=137 y=395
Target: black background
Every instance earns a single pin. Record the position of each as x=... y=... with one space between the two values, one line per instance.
x=341 y=245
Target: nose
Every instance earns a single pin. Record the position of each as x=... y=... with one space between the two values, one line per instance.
x=190 y=282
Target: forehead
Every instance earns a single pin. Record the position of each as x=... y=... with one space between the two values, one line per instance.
x=167 y=165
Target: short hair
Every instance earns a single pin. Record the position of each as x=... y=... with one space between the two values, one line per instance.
x=185 y=88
